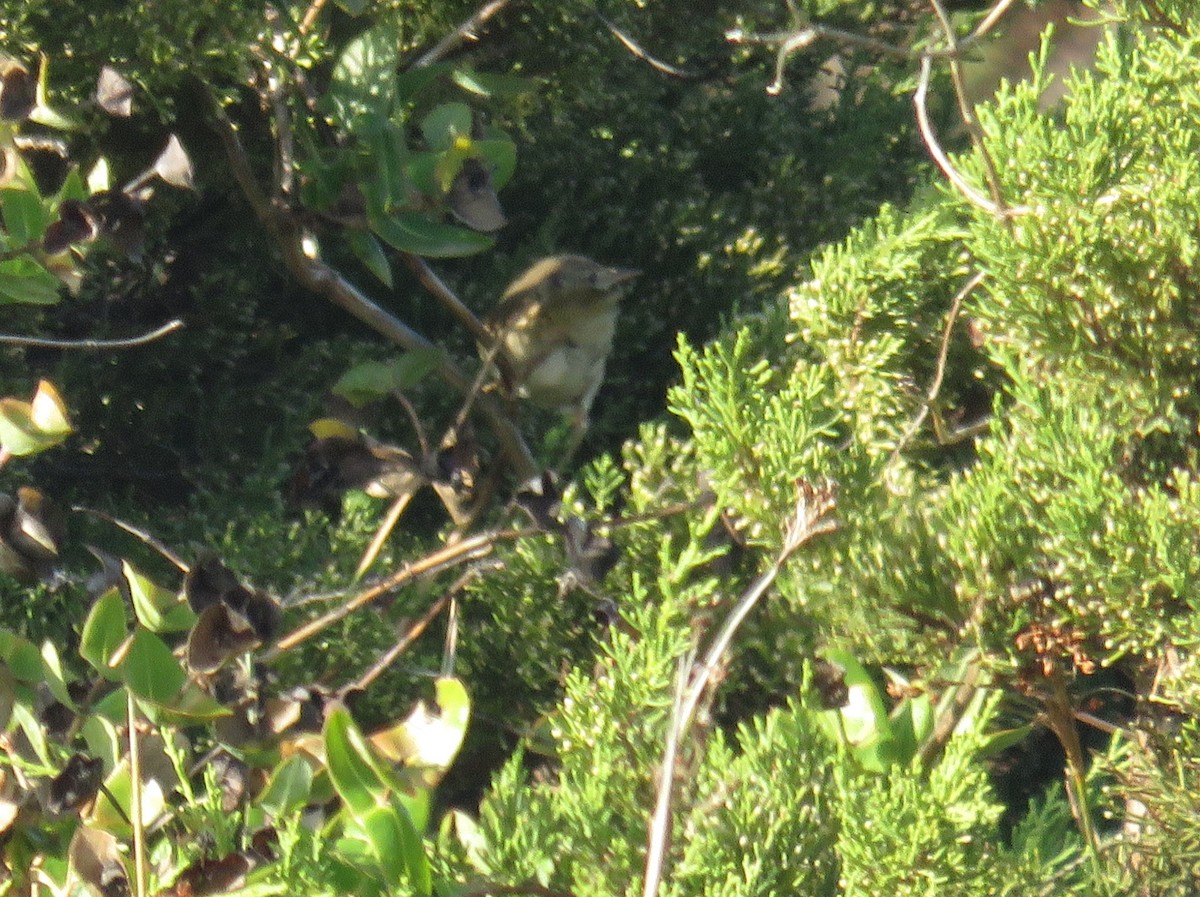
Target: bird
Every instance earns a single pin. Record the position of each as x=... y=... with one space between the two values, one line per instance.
x=552 y=332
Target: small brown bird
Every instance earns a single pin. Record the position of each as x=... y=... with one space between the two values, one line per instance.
x=554 y=331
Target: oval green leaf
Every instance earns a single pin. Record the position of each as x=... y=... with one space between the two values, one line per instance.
x=151 y=671
x=351 y=765
x=103 y=632
x=415 y=233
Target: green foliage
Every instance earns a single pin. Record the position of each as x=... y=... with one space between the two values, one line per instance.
x=1014 y=455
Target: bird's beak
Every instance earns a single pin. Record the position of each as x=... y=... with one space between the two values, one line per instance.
x=611 y=277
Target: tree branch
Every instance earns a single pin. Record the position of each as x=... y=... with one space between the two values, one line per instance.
x=91 y=345
x=315 y=275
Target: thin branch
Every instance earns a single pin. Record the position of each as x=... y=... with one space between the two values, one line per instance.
x=440 y=291
x=451 y=555
x=135 y=797
x=660 y=821
x=310 y=15
x=940 y=372
x=974 y=129
x=804 y=35
x=463 y=33
x=950 y=716
x=315 y=275
x=92 y=345
x=140 y=534
x=410 y=635
x=633 y=47
x=810 y=518
x=939 y=156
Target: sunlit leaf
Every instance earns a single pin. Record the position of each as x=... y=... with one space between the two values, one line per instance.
x=157 y=608
x=98 y=178
x=114 y=93
x=363 y=79
x=173 y=165
x=429 y=738
x=489 y=84
x=104 y=631
x=24 y=280
x=54 y=677
x=288 y=788
x=351 y=765
x=151 y=671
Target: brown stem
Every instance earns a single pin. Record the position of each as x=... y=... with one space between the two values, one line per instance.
x=448 y=556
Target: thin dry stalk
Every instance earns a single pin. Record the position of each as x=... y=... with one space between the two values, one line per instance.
x=809 y=519
x=135 y=797
x=92 y=345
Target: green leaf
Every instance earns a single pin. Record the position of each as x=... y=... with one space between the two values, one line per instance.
x=421 y=169
x=151 y=671
x=500 y=154
x=414 y=366
x=103 y=632
x=353 y=8
x=102 y=740
x=53 y=675
x=445 y=124
x=399 y=848
x=22 y=657
x=192 y=705
x=158 y=609
x=388 y=151
x=289 y=787
x=487 y=84
x=415 y=233
x=369 y=251
x=411 y=82
x=25 y=281
x=27 y=428
x=364 y=77
x=73 y=186
x=351 y=765
x=365 y=383
x=25 y=216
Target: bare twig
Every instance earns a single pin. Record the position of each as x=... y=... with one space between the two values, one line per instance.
x=451 y=555
x=950 y=716
x=310 y=15
x=92 y=345
x=385 y=529
x=935 y=150
x=967 y=114
x=139 y=534
x=410 y=635
x=633 y=47
x=440 y=291
x=809 y=519
x=660 y=822
x=135 y=797
x=315 y=275
x=463 y=33
x=940 y=372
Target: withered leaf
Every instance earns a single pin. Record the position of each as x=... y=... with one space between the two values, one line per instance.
x=114 y=93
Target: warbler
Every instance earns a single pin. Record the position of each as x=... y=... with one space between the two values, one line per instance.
x=553 y=330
